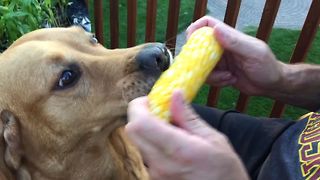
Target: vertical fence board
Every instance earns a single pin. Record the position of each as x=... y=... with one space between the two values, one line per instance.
x=132 y=22
x=308 y=33
x=305 y=40
x=200 y=9
x=151 y=20
x=172 y=24
x=232 y=12
x=114 y=24
x=230 y=18
x=98 y=20
x=270 y=12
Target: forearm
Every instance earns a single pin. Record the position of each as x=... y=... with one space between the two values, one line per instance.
x=300 y=86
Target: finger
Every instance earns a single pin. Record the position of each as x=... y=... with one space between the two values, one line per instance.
x=165 y=137
x=177 y=108
x=186 y=118
x=221 y=78
x=238 y=42
x=230 y=82
x=181 y=113
x=204 y=21
x=154 y=174
x=219 y=75
x=137 y=102
x=147 y=151
x=139 y=116
x=152 y=130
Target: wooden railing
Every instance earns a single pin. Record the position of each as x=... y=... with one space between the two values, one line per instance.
x=264 y=30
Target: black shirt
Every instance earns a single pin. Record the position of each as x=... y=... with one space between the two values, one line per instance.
x=296 y=153
x=271 y=148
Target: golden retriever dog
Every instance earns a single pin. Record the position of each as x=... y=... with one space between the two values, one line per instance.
x=63 y=105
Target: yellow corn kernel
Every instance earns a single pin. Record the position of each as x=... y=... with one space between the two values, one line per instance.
x=189 y=71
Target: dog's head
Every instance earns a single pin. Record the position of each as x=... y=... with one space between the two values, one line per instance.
x=59 y=87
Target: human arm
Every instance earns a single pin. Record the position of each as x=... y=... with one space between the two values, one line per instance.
x=300 y=86
x=249 y=65
x=189 y=150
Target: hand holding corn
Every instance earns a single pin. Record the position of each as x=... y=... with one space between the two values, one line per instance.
x=188 y=72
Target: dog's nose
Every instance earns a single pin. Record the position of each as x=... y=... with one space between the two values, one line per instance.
x=154 y=57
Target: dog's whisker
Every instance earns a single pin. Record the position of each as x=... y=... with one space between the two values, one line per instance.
x=170 y=38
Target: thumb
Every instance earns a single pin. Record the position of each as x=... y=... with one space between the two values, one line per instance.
x=186 y=118
x=238 y=42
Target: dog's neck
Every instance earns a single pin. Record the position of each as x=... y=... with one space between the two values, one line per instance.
x=92 y=159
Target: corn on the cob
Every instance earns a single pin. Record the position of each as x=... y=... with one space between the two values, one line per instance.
x=188 y=72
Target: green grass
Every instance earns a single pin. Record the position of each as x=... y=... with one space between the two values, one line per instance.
x=185 y=18
x=282 y=43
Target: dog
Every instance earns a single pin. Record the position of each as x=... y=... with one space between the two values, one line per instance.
x=63 y=104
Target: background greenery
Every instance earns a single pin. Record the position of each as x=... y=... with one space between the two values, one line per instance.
x=18 y=17
x=185 y=18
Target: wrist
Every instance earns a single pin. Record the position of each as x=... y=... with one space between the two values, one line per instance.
x=289 y=79
x=297 y=78
x=282 y=81
x=299 y=86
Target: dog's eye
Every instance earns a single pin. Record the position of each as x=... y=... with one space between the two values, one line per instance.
x=67 y=79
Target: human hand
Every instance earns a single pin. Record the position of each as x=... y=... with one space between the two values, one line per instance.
x=248 y=63
x=190 y=150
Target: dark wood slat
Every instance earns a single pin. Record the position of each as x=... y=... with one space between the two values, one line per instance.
x=98 y=22
x=277 y=109
x=308 y=33
x=305 y=40
x=87 y=3
x=132 y=22
x=200 y=9
x=269 y=14
x=268 y=17
x=230 y=18
x=151 y=21
x=172 y=24
x=114 y=24
x=232 y=12
x=213 y=96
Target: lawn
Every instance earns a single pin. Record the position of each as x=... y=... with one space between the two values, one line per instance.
x=185 y=18
x=282 y=43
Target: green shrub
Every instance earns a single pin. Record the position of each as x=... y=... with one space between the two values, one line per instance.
x=19 y=17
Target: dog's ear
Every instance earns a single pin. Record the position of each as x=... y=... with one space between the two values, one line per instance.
x=6 y=172
x=12 y=143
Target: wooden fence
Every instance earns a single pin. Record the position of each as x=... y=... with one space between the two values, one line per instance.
x=264 y=30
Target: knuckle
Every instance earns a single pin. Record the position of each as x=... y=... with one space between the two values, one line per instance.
x=233 y=42
x=263 y=48
x=182 y=154
x=208 y=18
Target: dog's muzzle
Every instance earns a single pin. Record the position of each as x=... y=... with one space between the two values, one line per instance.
x=154 y=57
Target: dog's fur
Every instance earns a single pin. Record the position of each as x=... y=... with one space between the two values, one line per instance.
x=49 y=132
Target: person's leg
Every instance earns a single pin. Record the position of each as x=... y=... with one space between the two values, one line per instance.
x=251 y=137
